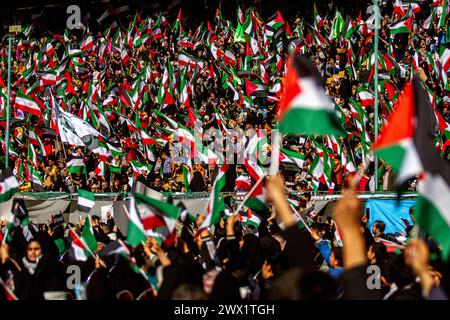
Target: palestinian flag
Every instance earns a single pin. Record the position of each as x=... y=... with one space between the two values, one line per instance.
x=289 y=156
x=254 y=89
x=318 y=21
x=215 y=203
x=76 y=165
x=135 y=231
x=407 y=144
x=252 y=219
x=178 y=25
x=100 y=169
x=86 y=200
x=151 y=217
x=80 y=249
x=36 y=179
x=257 y=200
x=8 y=186
x=139 y=167
x=399 y=142
x=432 y=211
x=404 y=26
x=304 y=106
x=398 y=8
x=88 y=237
x=351 y=28
x=20 y=213
x=276 y=22
x=27 y=104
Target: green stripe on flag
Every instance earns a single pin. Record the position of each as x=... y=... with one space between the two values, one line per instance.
x=87 y=235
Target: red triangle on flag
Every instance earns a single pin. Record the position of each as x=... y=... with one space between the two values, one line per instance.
x=401 y=123
x=279 y=17
x=291 y=90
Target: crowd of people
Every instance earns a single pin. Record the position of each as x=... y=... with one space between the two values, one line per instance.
x=228 y=262
x=107 y=106
x=117 y=71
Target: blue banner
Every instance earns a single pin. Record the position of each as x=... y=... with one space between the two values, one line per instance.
x=391 y=212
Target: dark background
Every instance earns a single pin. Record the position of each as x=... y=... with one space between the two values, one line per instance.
x=54 y=12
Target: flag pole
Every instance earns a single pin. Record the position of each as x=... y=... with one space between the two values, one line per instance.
x=377 y=27
x=8 y=103
x=300 y=217
x=275 y=152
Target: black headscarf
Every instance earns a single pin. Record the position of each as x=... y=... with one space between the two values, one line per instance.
x=197 y=184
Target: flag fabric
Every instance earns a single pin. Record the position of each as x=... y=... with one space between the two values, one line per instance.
x=318 y=21
x=289 y=156
x=20 y=213
x=139 y=167
x=398 y=8
x=254 y=89
x=100 y=169
x=9 y=294
x=243 y=182
x=151 y=217
x=367 y=99
x=80 y=250
x=27 y=104
x=187 y=177
x=397 y=143
x=86 y=200
x=239 y=35
x=432 y=212
x=8 y=186
x=443 y=18
x=135 y=231
x=76 y=165
x=36 y=180
x=337 y=26
x=276 y=22
x=257 y=200
x=304 y=106
x=404 y=26
x=406 y=143
x=88 y=237
x=445 y=60
x=252 y=219
x=215 y=203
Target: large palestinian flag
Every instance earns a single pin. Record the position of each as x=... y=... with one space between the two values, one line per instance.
x=407 y=143
x=304 y=106
x=151 y=217
x=396 y=143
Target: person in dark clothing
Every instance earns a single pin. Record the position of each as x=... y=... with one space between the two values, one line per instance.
x=38 y=273
x=197 y=183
